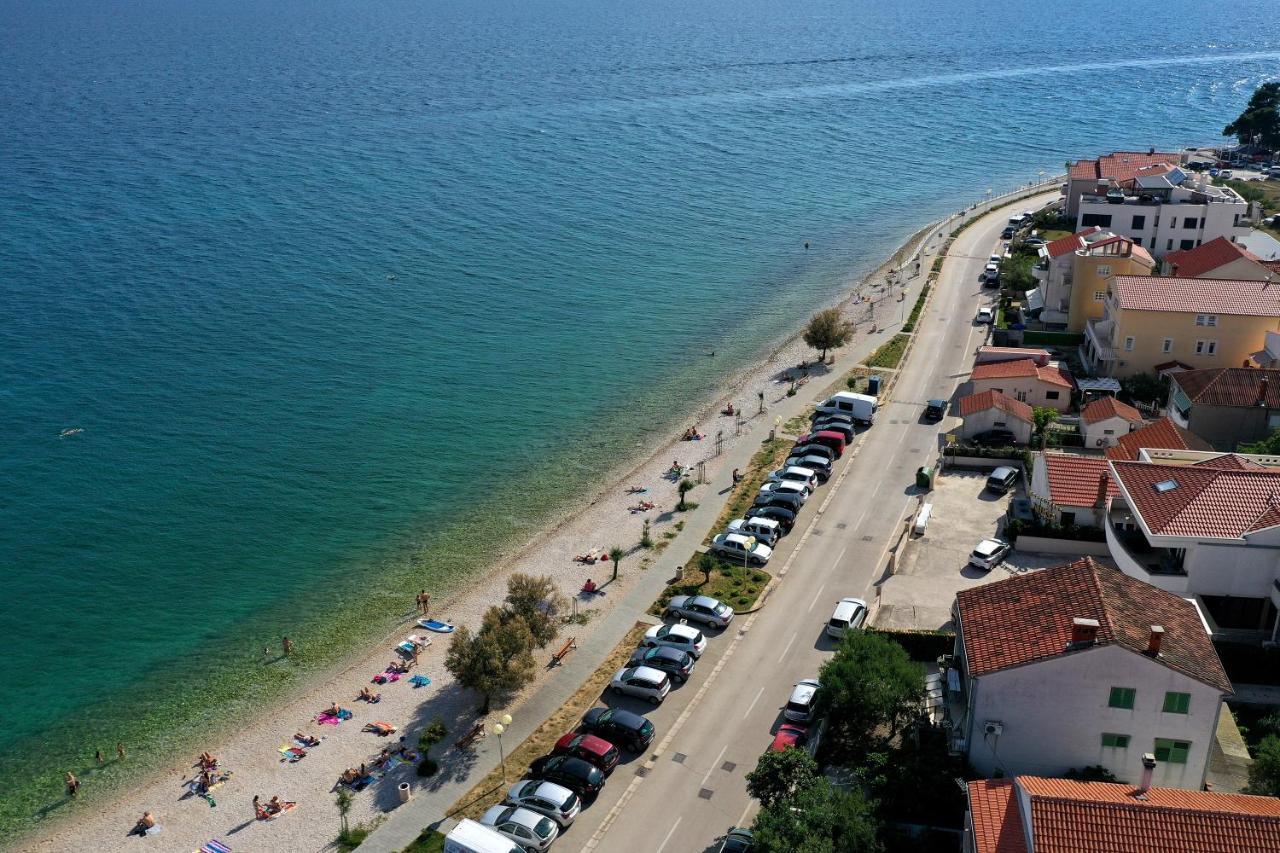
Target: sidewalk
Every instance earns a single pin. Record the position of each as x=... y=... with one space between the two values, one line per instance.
x=428 y=808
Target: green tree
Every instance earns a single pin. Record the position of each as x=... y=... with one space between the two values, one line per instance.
x=683 y=487
x=1259 y=123
x=342 y=799
x=1266 y=447
x=779 y=775
x=817 y=819
x=706 y=565
x=1264 y=773
x=1145 y=388
x=497 y=660
x=1043 y=416
x=537 y=601
x=827 y=330
x=615 y=556
x=870 y=688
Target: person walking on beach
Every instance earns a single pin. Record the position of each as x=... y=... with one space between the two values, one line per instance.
x=737 y=476
x=288 y=646
x=97 y=756
x=120 y=750
x=424 y=602
x=73 y=784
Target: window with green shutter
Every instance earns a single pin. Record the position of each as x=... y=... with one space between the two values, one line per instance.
x=1172 y=751
x=1122 y=697
x=1118 y=741
x=1177 y=703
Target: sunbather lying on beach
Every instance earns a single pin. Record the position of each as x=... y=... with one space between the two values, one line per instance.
x=276 y=805
x=146 y=822
x=589 y=559
x=207 y=761
x=636 y=490
x=335 y=710
x=369 y=696
x=378 y=727
x=309 y=740
x=349 y=776
x=398 y=666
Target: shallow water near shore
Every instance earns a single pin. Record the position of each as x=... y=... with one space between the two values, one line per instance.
x=348 y=298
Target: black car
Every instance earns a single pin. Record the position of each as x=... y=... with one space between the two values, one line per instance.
x=620 y=727
x=935 y=409
x=831 y=416
x=995 y=438
x=847 y=430
x=675 y=663
x=787 y=500
x=812 y=449
x=1008 y=232
x=786 y=518
x=575 y=774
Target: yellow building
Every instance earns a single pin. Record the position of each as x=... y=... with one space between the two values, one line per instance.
x=1092 y=269
x=1198 y=322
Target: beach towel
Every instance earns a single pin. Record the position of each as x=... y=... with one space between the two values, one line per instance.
x=419 y=681
x=406 y=647
x=327 y=719
x=214 y=846
x=392 y=763
x=380 y=678
x=302 y=744
x=292 y=753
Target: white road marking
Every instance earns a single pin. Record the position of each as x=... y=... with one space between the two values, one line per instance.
x=783 y=656
x=742 y=818
x=836 y=562
x=818 y=594
x=670 y=832
x=753 y=702
x=713 y=766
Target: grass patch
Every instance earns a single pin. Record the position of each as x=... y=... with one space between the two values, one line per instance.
x=1052 y=234
x=856 y=379
x=937 y=263
x=1266 y=192
x=890 y=352
x=490 y=790
x=910 y=325
x=1058 y=339
x=770 y=455
x=429 y=841
x=735 y=585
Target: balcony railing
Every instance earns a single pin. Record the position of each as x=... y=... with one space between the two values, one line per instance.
x=1136 y=557
x=1098 y=333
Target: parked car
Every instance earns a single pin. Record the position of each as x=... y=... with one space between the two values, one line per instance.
x=995 y=438
x=766 y=530
x=596 y=751
x=555 y=801
x=783 y=487
x=675 y=663
x=737 y=840
x=817 y=464
x=651 y=685
x=787 y=500
x=1034 y=242
x=1020 y=510
x=1008 y=232
x=683 y=637
x=800 y=705
x=935 y=409
x=833 y=440
x=629 y=730
x=532 y=831
x=991 y=273
x=834 y=417
x=806 y=477
x=581 y=777
x=845 y=430
x=785 y=517
x=850 y=613
x=790 y=736
x=701 y=608
x=985 y=317
x=995 y=259
x=1225 y=173
x=741 y=549
x=812 y=449
x=989 y=553
x=1002 y=479
x=861 y=407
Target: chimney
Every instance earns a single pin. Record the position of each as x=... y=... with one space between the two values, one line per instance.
x=1262 y=392
x=1102 y=491
x=1151 y=150
x=1084 y=632
x=1154 y=640
x=1148 y=769
x=1173 y=270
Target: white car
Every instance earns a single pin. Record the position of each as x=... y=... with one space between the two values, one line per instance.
x=741 y=549
x=995 y=259
x=555 y=801
x=984 y=317
x=788 y=486
x=850 y=613
x=677 y=636
x=806 y=477
x=989 y=553
x=642 y=681
x=765 y=529
x=532 y=831
x=799 y=708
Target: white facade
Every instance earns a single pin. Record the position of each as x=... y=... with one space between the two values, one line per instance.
x=1215 y=567
x=996 y=418
x=1177 y=217
x=1029 y=389
x=1052 y=715
x=1106 y=432
x=1089 y=515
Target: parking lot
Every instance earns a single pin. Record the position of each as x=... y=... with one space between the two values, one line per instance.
x=932 y=568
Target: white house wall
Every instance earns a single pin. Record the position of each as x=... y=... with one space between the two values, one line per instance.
x=995 y=419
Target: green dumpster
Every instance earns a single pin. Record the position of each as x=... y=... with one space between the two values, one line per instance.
x=924 y=478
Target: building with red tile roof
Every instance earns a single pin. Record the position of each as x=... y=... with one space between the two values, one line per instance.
x=1226 y=406
x=1219 y=258
x=1197 y=295
x=1105 y=420
x=1081 y=665
x=1049 y=385
x=1122 y=167
x=1030 y=814
x=1105 y=408
x=990 y=410
x=1163 y=434
x=1071 y=487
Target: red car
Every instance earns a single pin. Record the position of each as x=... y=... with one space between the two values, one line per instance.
x=589 y=748
x=790 y=736
x=827 y=438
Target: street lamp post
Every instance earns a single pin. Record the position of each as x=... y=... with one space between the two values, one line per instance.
x=498 y=728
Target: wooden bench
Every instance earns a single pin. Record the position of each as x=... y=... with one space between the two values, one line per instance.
x=477 y=731
x=559 y=656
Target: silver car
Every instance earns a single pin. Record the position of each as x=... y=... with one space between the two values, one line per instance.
x=989 y=553
x=530 y=830
x=644 y=682
x=800 y=704
x=547 y=798
x=700 y=608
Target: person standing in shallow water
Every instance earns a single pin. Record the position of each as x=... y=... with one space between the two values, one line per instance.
x=97 y=756
x=287 y=644
x=73 y=784
x=120 y=751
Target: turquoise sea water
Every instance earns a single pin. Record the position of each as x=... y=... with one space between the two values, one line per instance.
x=347 y=295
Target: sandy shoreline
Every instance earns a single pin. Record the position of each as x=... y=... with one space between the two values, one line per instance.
x=252 y=751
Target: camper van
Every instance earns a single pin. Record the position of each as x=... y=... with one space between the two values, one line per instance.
x=860 y=407
x=470 y=836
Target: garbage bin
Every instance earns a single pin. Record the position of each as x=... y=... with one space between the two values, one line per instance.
x=924 y=478
x=404 y=791
x=873 y=385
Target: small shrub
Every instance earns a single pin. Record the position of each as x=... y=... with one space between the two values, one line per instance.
x=791 y=392
x=428 y=767
x=737 y=581
x=689 y=506
x=742 y=600
x=432 y=734
x=757 y=577
x=646 y=538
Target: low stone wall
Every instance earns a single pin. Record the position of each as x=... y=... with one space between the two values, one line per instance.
x=982 y=462
x=1043 y=545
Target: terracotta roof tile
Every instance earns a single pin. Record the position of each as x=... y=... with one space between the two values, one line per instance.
x=1099 y=817
x=1164 y=434
x=1197 y=295
x=1202 y=501
x=1070 y=243
x=1230 y=386
x=1119 y=165
x=1193 y=263
x=1023 y=368
x=1028 y=618
x=997 y=820
x=1109 y=407
x=995 y=400
x=1073 y=480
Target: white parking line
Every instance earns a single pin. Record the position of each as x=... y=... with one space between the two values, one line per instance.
x=753 y=702
x=670 y=832
x=818 y=594
x=783 y=656
x=713 y=766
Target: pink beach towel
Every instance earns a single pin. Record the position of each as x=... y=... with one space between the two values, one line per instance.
x=327 y=720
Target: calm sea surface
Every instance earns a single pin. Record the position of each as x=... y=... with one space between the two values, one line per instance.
x=345 y=295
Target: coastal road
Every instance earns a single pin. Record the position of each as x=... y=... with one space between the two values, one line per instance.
x=691 y=787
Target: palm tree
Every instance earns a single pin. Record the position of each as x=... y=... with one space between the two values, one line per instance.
x=684 y=487
x=343 y=801
x=615 y=554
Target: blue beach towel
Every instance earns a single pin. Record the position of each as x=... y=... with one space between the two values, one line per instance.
x=419 y=681
x=215 y=846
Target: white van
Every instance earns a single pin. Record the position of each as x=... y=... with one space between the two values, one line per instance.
x=860 y=407
x=470 y=836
